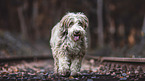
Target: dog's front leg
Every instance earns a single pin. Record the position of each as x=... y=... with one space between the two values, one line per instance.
x=75 y=66
x=64 y=65
x=56 y=65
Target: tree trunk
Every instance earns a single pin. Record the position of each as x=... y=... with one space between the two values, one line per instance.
x=143 y=27
x=138 y=48
x=142 y=43
x=34 y=20
x=100 y=23
x=22 y=23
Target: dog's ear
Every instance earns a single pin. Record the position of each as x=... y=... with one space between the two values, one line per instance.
x=84 y=20
x=64 y=21
x=63 y=26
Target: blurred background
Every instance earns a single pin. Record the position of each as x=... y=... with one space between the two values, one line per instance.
x=116 y=27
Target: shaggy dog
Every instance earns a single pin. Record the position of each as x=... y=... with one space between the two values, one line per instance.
x=69 y=43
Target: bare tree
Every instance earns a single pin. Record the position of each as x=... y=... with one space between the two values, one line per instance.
x=143 y=27
x=22 y=22
x=138 y=48
x=100 y=22
x=34 y=19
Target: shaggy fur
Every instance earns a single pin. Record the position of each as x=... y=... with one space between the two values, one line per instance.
x=69 y=43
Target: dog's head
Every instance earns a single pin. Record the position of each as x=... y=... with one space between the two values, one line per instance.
x=74 y=25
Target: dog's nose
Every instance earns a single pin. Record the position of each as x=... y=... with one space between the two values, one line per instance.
x=77 y=32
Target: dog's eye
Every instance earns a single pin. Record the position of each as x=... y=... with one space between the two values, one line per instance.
x=80 y=23
x=71 y=23
x=85 y=26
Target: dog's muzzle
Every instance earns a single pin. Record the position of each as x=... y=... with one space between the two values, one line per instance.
x=77 y=35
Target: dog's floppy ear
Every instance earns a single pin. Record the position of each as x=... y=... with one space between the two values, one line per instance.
x=84 y=20
x=63 y=25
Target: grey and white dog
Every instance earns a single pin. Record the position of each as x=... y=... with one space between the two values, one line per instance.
x=69 y=43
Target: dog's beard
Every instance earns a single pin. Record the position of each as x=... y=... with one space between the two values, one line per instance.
x=76 y=38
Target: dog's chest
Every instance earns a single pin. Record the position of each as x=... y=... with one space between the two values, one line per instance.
x=72 y=47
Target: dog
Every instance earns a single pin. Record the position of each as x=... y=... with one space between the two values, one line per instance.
x=69 y=43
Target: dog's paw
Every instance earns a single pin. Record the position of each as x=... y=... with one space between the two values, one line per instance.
x=64 y=72
x=75 y=74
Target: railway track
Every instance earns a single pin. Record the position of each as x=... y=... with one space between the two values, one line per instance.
x=93 y=69
x=134 y=62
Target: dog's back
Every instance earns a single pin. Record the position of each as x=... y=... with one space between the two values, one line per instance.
x=54 y=35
